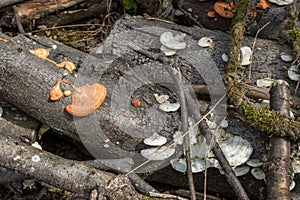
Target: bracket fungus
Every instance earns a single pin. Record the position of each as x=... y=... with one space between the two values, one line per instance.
x=265 y=82
x=258 y=173
x=155 y=140
x=68 y=65
x=86 y=99
x=161 y=98
x=238 y=171
x=246 y=55
x=294 y=73
x=172 y=43
x=42 y=53
x=224 y=9
x=56 y=93
x=167 y=51
x=158 y=153
x=236 y=149
x=67 y=93
x=169 y=107
x=282 y=2
x=205 y=42
x=286 y=57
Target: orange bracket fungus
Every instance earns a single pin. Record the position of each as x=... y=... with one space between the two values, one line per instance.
x=224 y=10
x=86 y=100
x=4 y=40
x=68 y=65
x=56 y=93
x=44 y=53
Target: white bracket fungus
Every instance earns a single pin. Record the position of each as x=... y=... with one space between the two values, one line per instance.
x=205 y=42
x=238 y=171
x=158 y=153
x=161 y=98
x=294 y=73
x=155 y=140
x=36 y=145
x=254 y=163
x=172 y=43
x=265 y=82
x=246 y=55
x=258 y=173
x=282 y=2
x=169 y=107
x=224 y=57
x=286 y=57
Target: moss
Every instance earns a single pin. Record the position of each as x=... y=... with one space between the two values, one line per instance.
x=242 y=8
x=270 y=122
x=237 y=31
x=294 y=35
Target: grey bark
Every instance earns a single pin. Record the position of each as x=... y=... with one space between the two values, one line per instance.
x=49 y=168
x=279 y=171
x=5 y=3
x=26 y=80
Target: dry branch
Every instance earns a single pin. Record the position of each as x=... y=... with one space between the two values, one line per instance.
x=5 y=3
x=32 y=8
x=46 y=167
x=279 y=174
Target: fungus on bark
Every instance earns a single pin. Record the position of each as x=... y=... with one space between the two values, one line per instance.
x=86 y=99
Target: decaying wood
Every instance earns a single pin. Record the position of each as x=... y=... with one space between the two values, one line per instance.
x=5 y=3
x=26 y=81
x=50 y=168
x=8 y=176
x=251 y=91
x=90 y=10
x=62 y=173
x=34 y=7
x=279 y=172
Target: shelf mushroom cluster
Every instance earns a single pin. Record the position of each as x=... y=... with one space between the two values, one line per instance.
x=171 y=43
x=85 y=100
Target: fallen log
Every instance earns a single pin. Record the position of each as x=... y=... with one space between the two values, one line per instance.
x=50 y=168
x=26 y=80
x=279 y=169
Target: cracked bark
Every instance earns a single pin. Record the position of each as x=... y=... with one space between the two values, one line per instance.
x=279 y=172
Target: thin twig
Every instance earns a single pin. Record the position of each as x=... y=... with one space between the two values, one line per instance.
x=229 y=173
x=253 y=46
x=184 y=120
x=139 y=183
x=18 y=21
x=165 y=196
